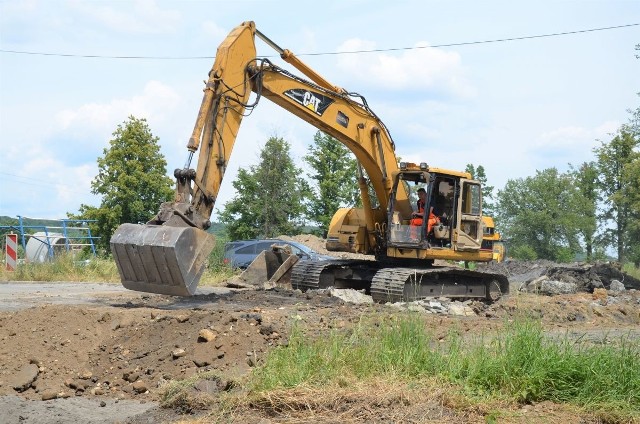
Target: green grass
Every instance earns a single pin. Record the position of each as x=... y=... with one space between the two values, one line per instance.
x=630 y=269
x=520 y=364
x=64 y=268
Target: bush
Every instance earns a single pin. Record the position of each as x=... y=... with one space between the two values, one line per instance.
x=216 y=257
x=525 y=253
x=565 y=255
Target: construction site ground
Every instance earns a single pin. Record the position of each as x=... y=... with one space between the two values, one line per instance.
x=89 y=352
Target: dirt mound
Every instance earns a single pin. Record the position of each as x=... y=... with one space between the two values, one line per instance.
x=319 y=245
x=314 y=242
x=114 y=349
x=132 y=349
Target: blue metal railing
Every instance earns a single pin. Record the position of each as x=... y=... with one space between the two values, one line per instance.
x=74 y=235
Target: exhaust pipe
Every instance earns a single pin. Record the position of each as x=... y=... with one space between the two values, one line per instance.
x=161 y=259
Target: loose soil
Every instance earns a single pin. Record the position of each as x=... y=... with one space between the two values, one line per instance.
x=87 y=361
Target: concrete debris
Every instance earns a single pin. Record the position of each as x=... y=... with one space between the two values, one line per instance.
x=529 y=276
x=616 y=286
x=460 y=309
x=351 y=296
x=544 y=285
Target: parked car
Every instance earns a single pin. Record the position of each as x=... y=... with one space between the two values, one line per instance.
x=240 y=253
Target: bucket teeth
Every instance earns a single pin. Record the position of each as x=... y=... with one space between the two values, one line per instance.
x=161 y=259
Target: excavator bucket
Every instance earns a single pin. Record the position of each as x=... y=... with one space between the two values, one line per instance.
x=161 y=259
x=270 y=266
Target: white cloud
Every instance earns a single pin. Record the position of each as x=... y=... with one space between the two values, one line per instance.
x=145 y=16
x=421 y=68
x=213 y=31
x=60 y=164
x=62 y=188
x=574 y=136
x=156 y=101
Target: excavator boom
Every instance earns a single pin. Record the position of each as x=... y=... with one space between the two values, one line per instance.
x=169 y=253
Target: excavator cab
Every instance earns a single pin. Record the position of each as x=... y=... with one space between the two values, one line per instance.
x=452 y=216
x=428 y=224
x=406 y=223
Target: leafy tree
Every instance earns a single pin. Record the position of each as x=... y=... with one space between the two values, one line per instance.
x=586 y=181
x=615 y=163
x=270 y=198
x=631 y=195
x=132 y=180
x=478 y=173
x=523 y=252
x=541 y=212
x=335 y=176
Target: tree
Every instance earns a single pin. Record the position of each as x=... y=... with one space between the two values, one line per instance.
x=615 y=162
x=541 y=213
x=586 y=181
x=478 y=173
x=631 y=195
x=335 y=176
x=270 y=198
x=132 y=180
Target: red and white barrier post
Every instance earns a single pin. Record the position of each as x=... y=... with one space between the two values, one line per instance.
x=11 y=252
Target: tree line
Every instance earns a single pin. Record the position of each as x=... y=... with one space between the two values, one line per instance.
x=593 y=207
x=273 y=198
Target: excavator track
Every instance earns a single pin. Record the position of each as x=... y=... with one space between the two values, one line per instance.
x=306 y=275
x=340 y=273
x=393 y=284
x=409 y=284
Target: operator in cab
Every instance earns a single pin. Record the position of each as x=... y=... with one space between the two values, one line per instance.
x=418 y=216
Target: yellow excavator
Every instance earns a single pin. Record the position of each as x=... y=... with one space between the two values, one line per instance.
x=169 y=253
x=492 y=241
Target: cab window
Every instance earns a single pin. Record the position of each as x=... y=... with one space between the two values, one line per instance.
x=471 y=199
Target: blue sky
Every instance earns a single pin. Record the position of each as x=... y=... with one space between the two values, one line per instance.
x=512 y=107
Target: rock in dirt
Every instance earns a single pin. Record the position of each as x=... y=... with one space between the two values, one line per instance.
x=351 y=296
x=616 y=286
x=140 y=386
x=553 y=287
x=130 y=376
x=23 y=379
x=201 y=361
x=206 y=335
x=85 y=375
x=49 y=394
x=178 y=353
x=460 y=309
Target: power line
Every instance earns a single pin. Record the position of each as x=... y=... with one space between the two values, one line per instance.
x=465 y=43
x=42 y=183
x=469 y=43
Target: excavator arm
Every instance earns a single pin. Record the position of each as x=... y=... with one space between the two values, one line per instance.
x=168 y=254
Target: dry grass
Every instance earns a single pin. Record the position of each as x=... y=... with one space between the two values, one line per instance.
x=358 y=402
x=379 y=401
x=217 y=277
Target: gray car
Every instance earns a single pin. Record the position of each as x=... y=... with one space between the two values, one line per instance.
x=240 y=253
